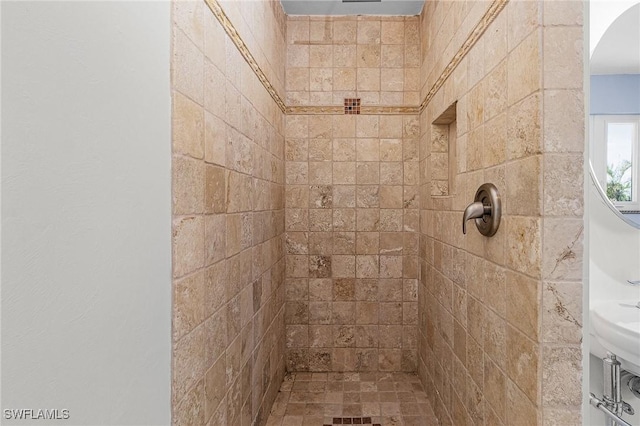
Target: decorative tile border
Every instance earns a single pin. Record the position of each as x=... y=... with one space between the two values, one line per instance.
x=490 y=15
x=364 y=110
x=233 y=34
x=482 y=25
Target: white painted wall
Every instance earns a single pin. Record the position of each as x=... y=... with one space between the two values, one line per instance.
x=86 y=204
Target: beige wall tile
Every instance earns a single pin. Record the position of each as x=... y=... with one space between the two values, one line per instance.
x=523 y=68
x=188 y=126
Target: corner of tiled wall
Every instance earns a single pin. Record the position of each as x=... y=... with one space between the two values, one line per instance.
x=228 y=216
x=500 y=337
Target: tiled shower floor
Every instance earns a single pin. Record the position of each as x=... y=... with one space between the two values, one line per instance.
x=319 y=399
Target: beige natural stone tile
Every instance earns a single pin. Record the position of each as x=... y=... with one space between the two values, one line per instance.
x=215 y=287
x=320 y=220
x=367 y=149
x=344 y=172
x=297 y=173
x=321 y=31
x=368 y=173
x=297 y=289
x=320 y=289
x=391 y=313
x=563 y=249
x=390 y=290
x=523 y=303
x=297 y=79
x=298 y=56
x=188 y=185
x=369 y=32
x=320 y=173
x=239 y=153
x=495 y=101
x=368 y=55
x=343 y=266
x=562 y=376
x=298 y=32
x=188 y=362
x=391 y=197
x=297 y=196
x=368 y=79
x=214 y=84
x=523 y=68
x=392 y=32
x=188 y=126
x=391 y=220
x=344 y=31
x=367 y=242
x=495 y=141
x=213 y=35
x=367 y=220
x=563 y=52
x=367 y=266
x=188 y=245
x=344 y=149
x=391 y=80
x=320 y=79
x=390 y=149
x=563 y=191
x=215 y=144
x=367 y=196
x=215 y=238
x=238 y=233
x=392 y=56
x=495 y=46
x=524 y=187
x=344 y=289
x=215 y=386
x=563 y=121
x=391 y=266
x=522 y=363
x=562 y=416
x=495 y=388
x=524 y=136
x=344 y=55
x=344 y=196
x=524 y=411
x=320 y=56
x=239 y=192
x=344 y=79
x=523 y=18
x=296 y=149
x=188 y=67
x=297 y=242
x=563 y=12
x=188 y=311
x=562 y=312
x=344 y=219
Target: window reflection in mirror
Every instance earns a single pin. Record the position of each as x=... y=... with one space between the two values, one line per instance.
x=615 y=104
x=616 y=139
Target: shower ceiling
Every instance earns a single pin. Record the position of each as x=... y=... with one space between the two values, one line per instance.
x=353 y=7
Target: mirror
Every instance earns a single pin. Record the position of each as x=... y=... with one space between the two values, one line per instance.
x=615 y=105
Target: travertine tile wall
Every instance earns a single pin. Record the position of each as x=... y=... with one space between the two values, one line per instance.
x=228 y=216
x=500 y=318
x=351 y=196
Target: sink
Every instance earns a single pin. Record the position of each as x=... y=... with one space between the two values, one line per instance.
x=616 y=327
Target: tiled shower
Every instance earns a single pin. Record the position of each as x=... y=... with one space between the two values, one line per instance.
x=312 y=242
